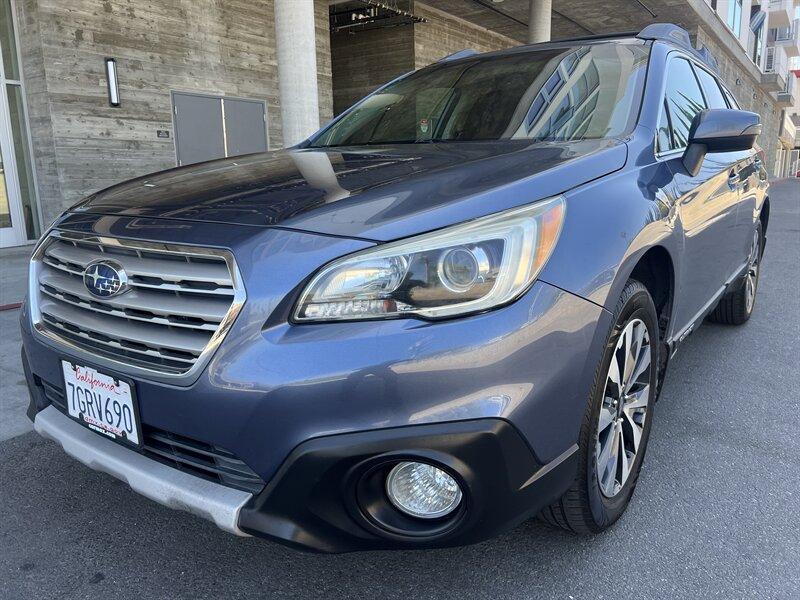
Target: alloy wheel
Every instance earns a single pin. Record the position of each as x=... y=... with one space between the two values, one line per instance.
x=625 y=404
x=751 y=281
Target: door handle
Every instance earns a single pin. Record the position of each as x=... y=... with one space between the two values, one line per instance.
x=733 y=180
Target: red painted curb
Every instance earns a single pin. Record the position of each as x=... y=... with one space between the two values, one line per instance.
x=10 y=306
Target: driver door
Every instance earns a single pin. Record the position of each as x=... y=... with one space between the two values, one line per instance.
x=707 y=202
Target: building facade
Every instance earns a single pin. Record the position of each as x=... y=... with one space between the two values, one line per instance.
x=210 y=78
x=769 y=32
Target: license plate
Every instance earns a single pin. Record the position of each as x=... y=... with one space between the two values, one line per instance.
x=101 y=403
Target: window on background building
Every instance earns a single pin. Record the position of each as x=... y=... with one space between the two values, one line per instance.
x=15 y=147
x=757 y=19
x=778 y=162
x=735 y=17
x=794 y=164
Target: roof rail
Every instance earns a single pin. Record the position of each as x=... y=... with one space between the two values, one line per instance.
x=596 y=36
x=667 y=32
x=587 y=38
x=705 y=55
x=460 y=54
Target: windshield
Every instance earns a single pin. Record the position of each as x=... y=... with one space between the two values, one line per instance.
x=581 y=92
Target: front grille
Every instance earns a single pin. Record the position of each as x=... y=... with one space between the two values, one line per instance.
x=188 y=455
x=180 y=302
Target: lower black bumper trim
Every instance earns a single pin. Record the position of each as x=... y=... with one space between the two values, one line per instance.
x=312 y=502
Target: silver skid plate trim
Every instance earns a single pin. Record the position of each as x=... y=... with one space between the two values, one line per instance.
x=163 y=484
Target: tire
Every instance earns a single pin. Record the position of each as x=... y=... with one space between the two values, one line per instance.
x=587 y=507
x=735 y=307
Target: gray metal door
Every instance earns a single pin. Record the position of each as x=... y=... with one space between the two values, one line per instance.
x=209 y=127
x=245 y=122
x=199 y=134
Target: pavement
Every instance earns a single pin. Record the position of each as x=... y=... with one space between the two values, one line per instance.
x=716 y=513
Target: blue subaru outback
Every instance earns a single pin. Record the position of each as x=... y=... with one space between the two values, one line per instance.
x=448 y=311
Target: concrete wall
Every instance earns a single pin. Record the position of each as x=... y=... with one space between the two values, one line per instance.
x=81 y=144
x=365 y=60
x=38 y=103
x=444 y=34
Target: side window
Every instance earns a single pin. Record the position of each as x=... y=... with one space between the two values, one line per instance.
x=711 y=89
x=684 y=100
x=732 y=103
x=663 y=137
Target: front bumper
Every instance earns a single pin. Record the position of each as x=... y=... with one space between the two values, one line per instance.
x=316 y=500
x=328 y=495
x=165 y=485
x=310 y=403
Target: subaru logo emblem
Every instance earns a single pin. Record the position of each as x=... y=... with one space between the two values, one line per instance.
x=105 y=278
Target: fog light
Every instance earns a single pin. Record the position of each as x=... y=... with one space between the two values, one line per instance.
x=422 y=490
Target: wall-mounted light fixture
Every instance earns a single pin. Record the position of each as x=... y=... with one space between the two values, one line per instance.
x=111 y=81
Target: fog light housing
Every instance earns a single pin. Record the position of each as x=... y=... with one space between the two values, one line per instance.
x=422 y=490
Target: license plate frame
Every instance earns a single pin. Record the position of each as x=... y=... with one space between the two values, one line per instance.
x=100 y=380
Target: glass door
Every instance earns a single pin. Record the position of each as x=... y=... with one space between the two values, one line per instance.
x=19 y=215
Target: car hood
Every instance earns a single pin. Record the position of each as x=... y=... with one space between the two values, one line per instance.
x=369 y=192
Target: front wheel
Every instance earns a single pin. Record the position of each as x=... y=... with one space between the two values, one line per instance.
x=736 y=306
x=617 y=421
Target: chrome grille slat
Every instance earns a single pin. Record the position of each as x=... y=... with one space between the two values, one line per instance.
x=120 y=314
x=115 y=348
x=181 y=302
x=149 y=335
x=174 y=287
x=163 y=287
x=62 y=267
x=212 y=310
x=66 y=251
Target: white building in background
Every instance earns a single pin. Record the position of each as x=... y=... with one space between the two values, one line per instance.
x=769 y=32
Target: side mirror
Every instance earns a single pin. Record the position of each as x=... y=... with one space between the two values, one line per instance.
x=720 y=130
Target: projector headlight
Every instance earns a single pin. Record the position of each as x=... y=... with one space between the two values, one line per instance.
x=459 y=270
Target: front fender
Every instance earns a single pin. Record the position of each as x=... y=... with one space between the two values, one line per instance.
x=609 y=225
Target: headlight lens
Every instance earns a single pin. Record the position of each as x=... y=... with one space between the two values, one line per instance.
x=458 y=270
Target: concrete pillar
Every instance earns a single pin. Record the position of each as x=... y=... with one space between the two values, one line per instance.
x=539 y=17
x=297 y=69
x=317 y=169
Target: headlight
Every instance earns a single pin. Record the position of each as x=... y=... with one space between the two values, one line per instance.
x=454 y=271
